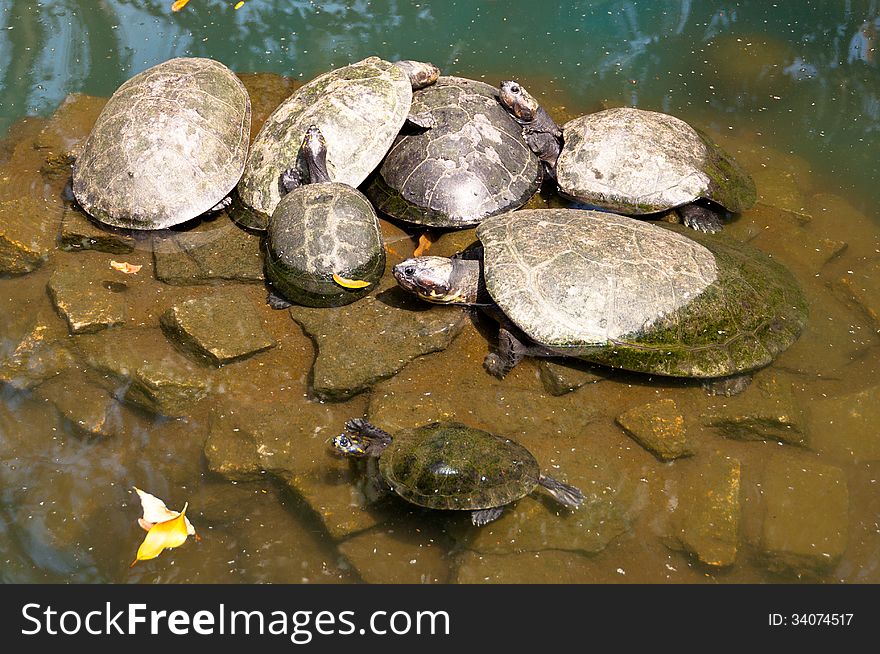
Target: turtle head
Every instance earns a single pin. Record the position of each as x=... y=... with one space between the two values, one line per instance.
x=350 y=445
x=518 y=101
x=314 y=151
x=431 y=278
x=420 y=73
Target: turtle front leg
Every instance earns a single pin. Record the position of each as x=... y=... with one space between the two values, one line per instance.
x=485 y=516
x=701 y=218
x=563 y=493
x=276 y=302
x=512 y=350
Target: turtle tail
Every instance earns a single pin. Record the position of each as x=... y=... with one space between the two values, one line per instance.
x=563 y=493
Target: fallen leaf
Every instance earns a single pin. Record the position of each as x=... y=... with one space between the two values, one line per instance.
x=350 y=283
x=178 y=5
x=425 y=241
x=239 y=5
x=155 y=511
x=125 y=267
x=163 y=536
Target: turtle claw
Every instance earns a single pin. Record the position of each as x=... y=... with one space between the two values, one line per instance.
x=485 y=516
x=701 y=219
x=495 y=365
x=277 y=302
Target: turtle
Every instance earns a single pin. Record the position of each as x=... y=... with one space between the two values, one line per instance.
x=619 y=292
x=449 y=465
x=633 y=161
x=359 y=108
x=170 y=145
x=323 y=247
x=472 y=164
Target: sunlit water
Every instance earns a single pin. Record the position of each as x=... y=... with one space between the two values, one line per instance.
x=792 y=89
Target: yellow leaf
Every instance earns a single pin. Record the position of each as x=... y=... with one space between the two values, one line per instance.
x=163 y=536
x=239 y=5
x=350 y=283
x=155 y=511
x=125 y=267
x=179 y=4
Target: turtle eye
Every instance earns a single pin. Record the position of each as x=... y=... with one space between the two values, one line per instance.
x=409 y=271
x=514 y=88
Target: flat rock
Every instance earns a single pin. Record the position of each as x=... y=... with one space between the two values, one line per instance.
x=393 y=555
x=221 y=328
x=212 y=252
x=766 y=410
x=87 y=296
x=63 y=135
x=845 y=427
x=659 y=428
x=550 y=567
x=372 y=339
x=28 y=229
x=145 y=370
x=87 y=406
x=805 y=515
x=706 y=518
x=79 y=232
x=561 y=378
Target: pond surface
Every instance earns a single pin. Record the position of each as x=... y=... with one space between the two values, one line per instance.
x=781 y=480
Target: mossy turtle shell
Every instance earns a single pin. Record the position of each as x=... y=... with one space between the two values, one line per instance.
x=630 y=294
x=447 y=465
x=169 y=145
x=472 y=164
x=358 y=108
x=635 y=162
x=319 y=230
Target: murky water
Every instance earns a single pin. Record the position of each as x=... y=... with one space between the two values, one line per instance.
x=782 y=480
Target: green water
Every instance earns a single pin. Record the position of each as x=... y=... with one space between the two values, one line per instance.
x=791 y=88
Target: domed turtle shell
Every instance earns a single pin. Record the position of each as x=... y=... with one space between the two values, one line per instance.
x=319 y=230
x=472 y=164
x=636 y=162
x=634 y=295
x=170 y=144
x=453 y=466
x=358 y=108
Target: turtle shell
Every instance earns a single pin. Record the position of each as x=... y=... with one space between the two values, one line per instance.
x=630 y=294
x=318 y=230
x=636 y=162
x=474 y=163
x=359 y=109
x=447 y=465
x=169 y=145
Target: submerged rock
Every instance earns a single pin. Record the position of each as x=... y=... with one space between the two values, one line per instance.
x=222 y=327
x=706 y=519
x=561 y=378
x=373 y=338
x=393 y=555
x=28 y=229
x=84 y=403
x=61 y=139
x=80 y=232
x=86 y=296
x=859 y=286
x=145 y=370
x=659 y=428
x=549 y=567
x=806 y=506
x=845 y=427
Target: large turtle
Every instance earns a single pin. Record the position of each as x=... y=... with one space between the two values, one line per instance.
x=359 y=109
x=170 y=145
x=448 y=465
x=472 y=164
x=634 y=162
x=323 y=246
x=619 y=292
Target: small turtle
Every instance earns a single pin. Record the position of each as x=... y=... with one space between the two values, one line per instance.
x=448 y=465
x=619 y=292
x=473 y=164
x=359 y=109
x=170 y=145
x=634 y=162
x=323 y=245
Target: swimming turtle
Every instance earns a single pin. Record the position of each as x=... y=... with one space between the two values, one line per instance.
x=170 y=145
x=472 y=164
x=323 y=246
x=619 y=292
x=634 y=162
x=359 y=109
x=448 y=465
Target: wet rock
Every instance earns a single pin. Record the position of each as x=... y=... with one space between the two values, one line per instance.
x=87 y=297
x=145 y=370
x=28 y=229
x=212 y=252
x=267 y=91
x=561 y=378
x=392 y=555
x=859 y=286
x=79 y=232
x=62 y=138
x=448 y=243
x=845 y=427
x=84 y=403
x=372 y=339
x=836 y=219
x=549 y=567
x=659 y=428
x=767 y=410
x=805 y=515
x=706 y=518
x=221 y=328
